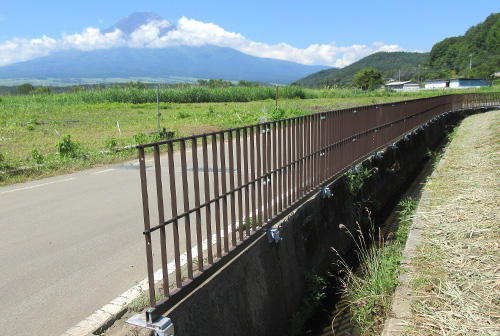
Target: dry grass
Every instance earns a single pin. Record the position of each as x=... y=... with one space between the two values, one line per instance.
x=456 y=271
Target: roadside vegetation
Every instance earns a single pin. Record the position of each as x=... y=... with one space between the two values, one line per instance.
x=42 y=133
x=368 y=290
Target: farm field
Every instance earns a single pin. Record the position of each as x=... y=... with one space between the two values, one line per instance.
x=49 y=134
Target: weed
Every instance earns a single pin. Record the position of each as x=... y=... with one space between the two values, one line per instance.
x=315 y=292
x=369 y=294
x=36 y=156
x=356 y=181
x=276 y=114
x=140 y=138
x=110 y=142
x=68 y=147
x=141 y=302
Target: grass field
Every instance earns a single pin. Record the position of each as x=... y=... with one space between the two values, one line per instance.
x=32 y=127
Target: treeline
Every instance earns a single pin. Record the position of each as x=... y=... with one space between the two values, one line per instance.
x=396 y=65
x=475 y=54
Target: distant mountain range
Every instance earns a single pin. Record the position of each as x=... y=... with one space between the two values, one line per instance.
x=169 y=64
x=398 y=65
x=473 y=55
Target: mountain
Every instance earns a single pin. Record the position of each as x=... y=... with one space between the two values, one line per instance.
x=478 y=49
x=169 y=64
x=135 y=20
x=391 y=64
x=166 y=65
x=473 y=55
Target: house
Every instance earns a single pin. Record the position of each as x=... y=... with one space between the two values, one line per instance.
x=403 y=86
x=455 y=83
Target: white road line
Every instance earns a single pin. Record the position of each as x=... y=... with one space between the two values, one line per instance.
x=102 y=171
x=37 y=186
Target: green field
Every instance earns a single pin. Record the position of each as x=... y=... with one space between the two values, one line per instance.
x=32 y=127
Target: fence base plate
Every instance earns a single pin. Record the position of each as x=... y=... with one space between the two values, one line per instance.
x=162 y=326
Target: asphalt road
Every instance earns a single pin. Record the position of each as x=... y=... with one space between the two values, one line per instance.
x=68 y=246
x=71 y=244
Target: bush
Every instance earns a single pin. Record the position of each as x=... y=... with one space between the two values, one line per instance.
x=140 y=138
x=25 y=89
x=68 y=147
x=36 y=156
x=110 y=142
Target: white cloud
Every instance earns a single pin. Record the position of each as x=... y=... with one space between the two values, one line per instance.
x=188 y=32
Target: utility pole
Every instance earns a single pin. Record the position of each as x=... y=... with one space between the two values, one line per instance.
x=470 y=65
x=419 y=73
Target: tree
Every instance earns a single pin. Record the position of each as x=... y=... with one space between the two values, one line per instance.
x=42 y=90
x=368 y=78
x=25 y=89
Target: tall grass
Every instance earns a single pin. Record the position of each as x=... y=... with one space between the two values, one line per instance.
x=369 y=291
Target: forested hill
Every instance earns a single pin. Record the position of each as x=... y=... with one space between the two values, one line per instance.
x=448 y=58
x=482 y=41
x=389 y=63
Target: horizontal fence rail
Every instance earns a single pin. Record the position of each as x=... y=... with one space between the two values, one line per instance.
x=214 y=191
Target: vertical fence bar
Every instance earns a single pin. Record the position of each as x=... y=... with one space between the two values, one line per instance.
x=161 y=220
x=222 y=151
x=275 y=180
x=264 y=180
x=196 y=182
x=208 y=209
x=246 y=181
x=187 y=220
x=290 y=170
x=239 y=184
x=253 y=175
x=175 y=224
x=296 y=165
x=216 y=195
x=258 y=134
x=269 y=176
x=280 y=175
x=232 y=197
x=147 y=227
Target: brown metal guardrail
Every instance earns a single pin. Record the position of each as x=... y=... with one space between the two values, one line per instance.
x=224 y=187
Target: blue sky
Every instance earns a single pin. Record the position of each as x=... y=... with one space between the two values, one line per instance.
x=331 y=32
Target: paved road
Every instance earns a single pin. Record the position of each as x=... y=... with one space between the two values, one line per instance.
x=71 y=244
x=68 y=245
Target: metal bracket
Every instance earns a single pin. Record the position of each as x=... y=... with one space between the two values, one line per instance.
x=355 y=170
x=326 y=192
x=266 y=181
x=406 y=138
x=273 y=235
x=394 y=145
x=378 y=155
x=323 y=117
x=162 y=326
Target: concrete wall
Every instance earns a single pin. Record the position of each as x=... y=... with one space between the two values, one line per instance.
x=257 y=293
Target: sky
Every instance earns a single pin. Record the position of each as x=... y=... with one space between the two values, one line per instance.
x=314 y=32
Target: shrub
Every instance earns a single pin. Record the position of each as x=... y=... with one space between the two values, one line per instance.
x=110 y=142
x=140 y=138
x=36 y=156
x=68 y=147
